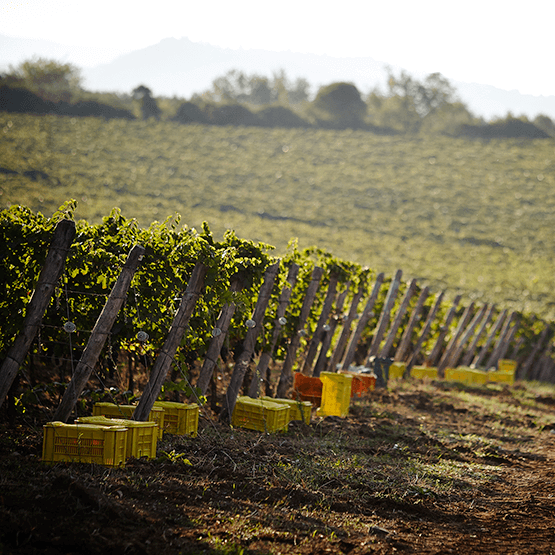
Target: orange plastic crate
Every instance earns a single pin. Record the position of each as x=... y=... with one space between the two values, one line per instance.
x=307 y=388
x=362 y=383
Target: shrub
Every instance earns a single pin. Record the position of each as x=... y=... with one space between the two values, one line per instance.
x=279 y=116
x=189 y=112
x=510 y=128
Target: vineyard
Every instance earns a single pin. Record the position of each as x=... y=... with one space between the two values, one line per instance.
x=118 y=312
x=427 y=205
x=307 y=311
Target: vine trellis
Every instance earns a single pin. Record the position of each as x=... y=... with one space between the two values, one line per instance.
x=299 y=321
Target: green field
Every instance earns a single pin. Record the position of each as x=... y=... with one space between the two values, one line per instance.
x=467 y=216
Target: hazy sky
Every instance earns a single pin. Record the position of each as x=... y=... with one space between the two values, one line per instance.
x=500 y=43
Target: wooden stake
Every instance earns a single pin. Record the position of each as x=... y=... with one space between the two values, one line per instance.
x=470 y=353
x=249 y=344
x=49 y=276
x=384 y=316
x=414 y=317
x=167 y=354
x=425 y=331
x=363 y=320
x=494 y=357
x=411 y=290
x=286 y=376
x=465 y=318
x=458 y=348
x=339 y=349
x=217 y=341
x=434 y=355
x=262 y=374
x=99 y=334
x=321 y=362
x=319 y=333
x=493 y=332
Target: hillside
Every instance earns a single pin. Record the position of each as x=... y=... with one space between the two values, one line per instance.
x=464 y=215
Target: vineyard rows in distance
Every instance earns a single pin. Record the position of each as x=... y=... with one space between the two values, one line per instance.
x=468 y=216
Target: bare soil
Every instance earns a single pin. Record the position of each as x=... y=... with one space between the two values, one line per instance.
x=418 y=468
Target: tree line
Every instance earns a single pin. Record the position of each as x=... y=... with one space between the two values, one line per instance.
x=407 y=105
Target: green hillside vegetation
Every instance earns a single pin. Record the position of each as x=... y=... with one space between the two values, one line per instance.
x=469 y=216
x=408 y=106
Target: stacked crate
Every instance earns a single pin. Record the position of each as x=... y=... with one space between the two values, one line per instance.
x=141 y=436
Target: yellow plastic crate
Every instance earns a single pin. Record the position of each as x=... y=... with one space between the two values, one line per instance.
x=180 y=418
x=397 y=370
x=298 y=410
x=455 y=375
x=478 y=377
x=501 y=377
x=423 y=372
x=86 y=443
x=260 y=415
x=111 y=410
x=507 y=365
x=336 y=394
x=142 y=437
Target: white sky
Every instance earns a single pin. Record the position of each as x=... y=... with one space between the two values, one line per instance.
x=505 y=44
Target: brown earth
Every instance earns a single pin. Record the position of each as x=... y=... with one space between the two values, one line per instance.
x=419 y=468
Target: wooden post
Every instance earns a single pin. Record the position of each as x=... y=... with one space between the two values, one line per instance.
x=345 y=332
x=167 y=354
x=49 y=276
x=384 y=316
x=504 y=346
x=494 y=356
x=469 y=355
x=217 y=341
x=262 y=374
x=518 y=344
x=484 y=350
x=286 y=376
x=249 y=344
x=434 y=355
x=524 y=371
x=425 y=331
x=318 y=334
x=411 y=290
x=458 y=348
x=362 y=321
x=467 y=315
x=100 y=332
x=414 y=317
x=321 y=362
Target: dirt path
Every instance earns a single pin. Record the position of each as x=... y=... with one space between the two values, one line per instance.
x=418 y=469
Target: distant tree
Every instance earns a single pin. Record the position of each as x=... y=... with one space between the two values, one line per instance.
x=237 y=86
x=545 y=123
x=149 y=106
x=343 y=103
x=49 y=79
x=411 y=105
x=427 y=96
